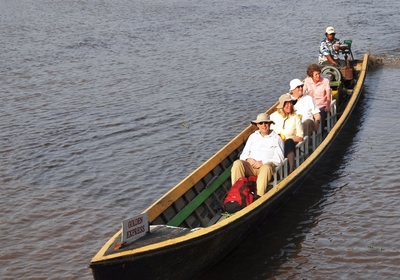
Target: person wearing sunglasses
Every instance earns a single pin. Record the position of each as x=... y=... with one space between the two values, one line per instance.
x=261 y=154
x=329 y=49
x=288 y=125
x=305 y=107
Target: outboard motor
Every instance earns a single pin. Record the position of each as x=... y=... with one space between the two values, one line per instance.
x=347 y=71
x=347 y=51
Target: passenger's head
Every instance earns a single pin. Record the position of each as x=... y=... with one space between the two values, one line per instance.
x=285 y=106
x=296 y=88
x=263 y=123
x=313 y=68
x=262 y=119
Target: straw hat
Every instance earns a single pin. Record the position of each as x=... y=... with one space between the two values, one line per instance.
x=285 y=98
x=263 y=117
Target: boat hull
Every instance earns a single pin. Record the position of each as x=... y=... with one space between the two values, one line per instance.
x=187 y=260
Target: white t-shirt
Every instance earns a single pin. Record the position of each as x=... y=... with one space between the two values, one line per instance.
x=306 y=107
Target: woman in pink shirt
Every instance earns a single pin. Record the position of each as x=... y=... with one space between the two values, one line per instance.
x=319 y=89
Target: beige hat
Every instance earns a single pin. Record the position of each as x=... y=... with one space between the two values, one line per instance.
x=263 y=117
x=285 y=98
x=330 y=30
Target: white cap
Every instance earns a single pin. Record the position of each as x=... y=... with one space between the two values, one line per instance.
x=330 y=30
x=295 y=83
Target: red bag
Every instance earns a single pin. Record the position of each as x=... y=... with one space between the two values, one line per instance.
x=240 y=194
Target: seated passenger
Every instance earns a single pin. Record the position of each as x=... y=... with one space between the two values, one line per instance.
x=305 y=108
x=262 y=153
x=288 y=125
x=320 y=90
x=329 y=49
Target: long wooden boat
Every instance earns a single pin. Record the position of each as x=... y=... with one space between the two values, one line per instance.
x=188 y=230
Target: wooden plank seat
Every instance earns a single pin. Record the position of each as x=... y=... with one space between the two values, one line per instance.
x=200 y=198
x=316 y=138
x=331 y=119
x=280 y=172
x=302 y=151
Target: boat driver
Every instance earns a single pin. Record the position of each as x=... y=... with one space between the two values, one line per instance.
x=329 y=49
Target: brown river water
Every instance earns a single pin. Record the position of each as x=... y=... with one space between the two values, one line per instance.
x=105 y=105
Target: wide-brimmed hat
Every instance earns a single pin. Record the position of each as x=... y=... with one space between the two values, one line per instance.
x=295 y=83
x=285 y=98
x=263 y=117
x=330 y=30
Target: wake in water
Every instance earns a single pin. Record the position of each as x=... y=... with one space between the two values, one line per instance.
x=388 y=60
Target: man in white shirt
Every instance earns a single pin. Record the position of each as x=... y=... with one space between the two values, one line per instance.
x=305 y=107
x=262 y=153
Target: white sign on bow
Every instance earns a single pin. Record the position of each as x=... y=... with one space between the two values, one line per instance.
x=135 y=227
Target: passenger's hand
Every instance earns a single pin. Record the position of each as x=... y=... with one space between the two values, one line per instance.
x=257 y=164
x=251 y=161
x=316 y=124
x=297 y=139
